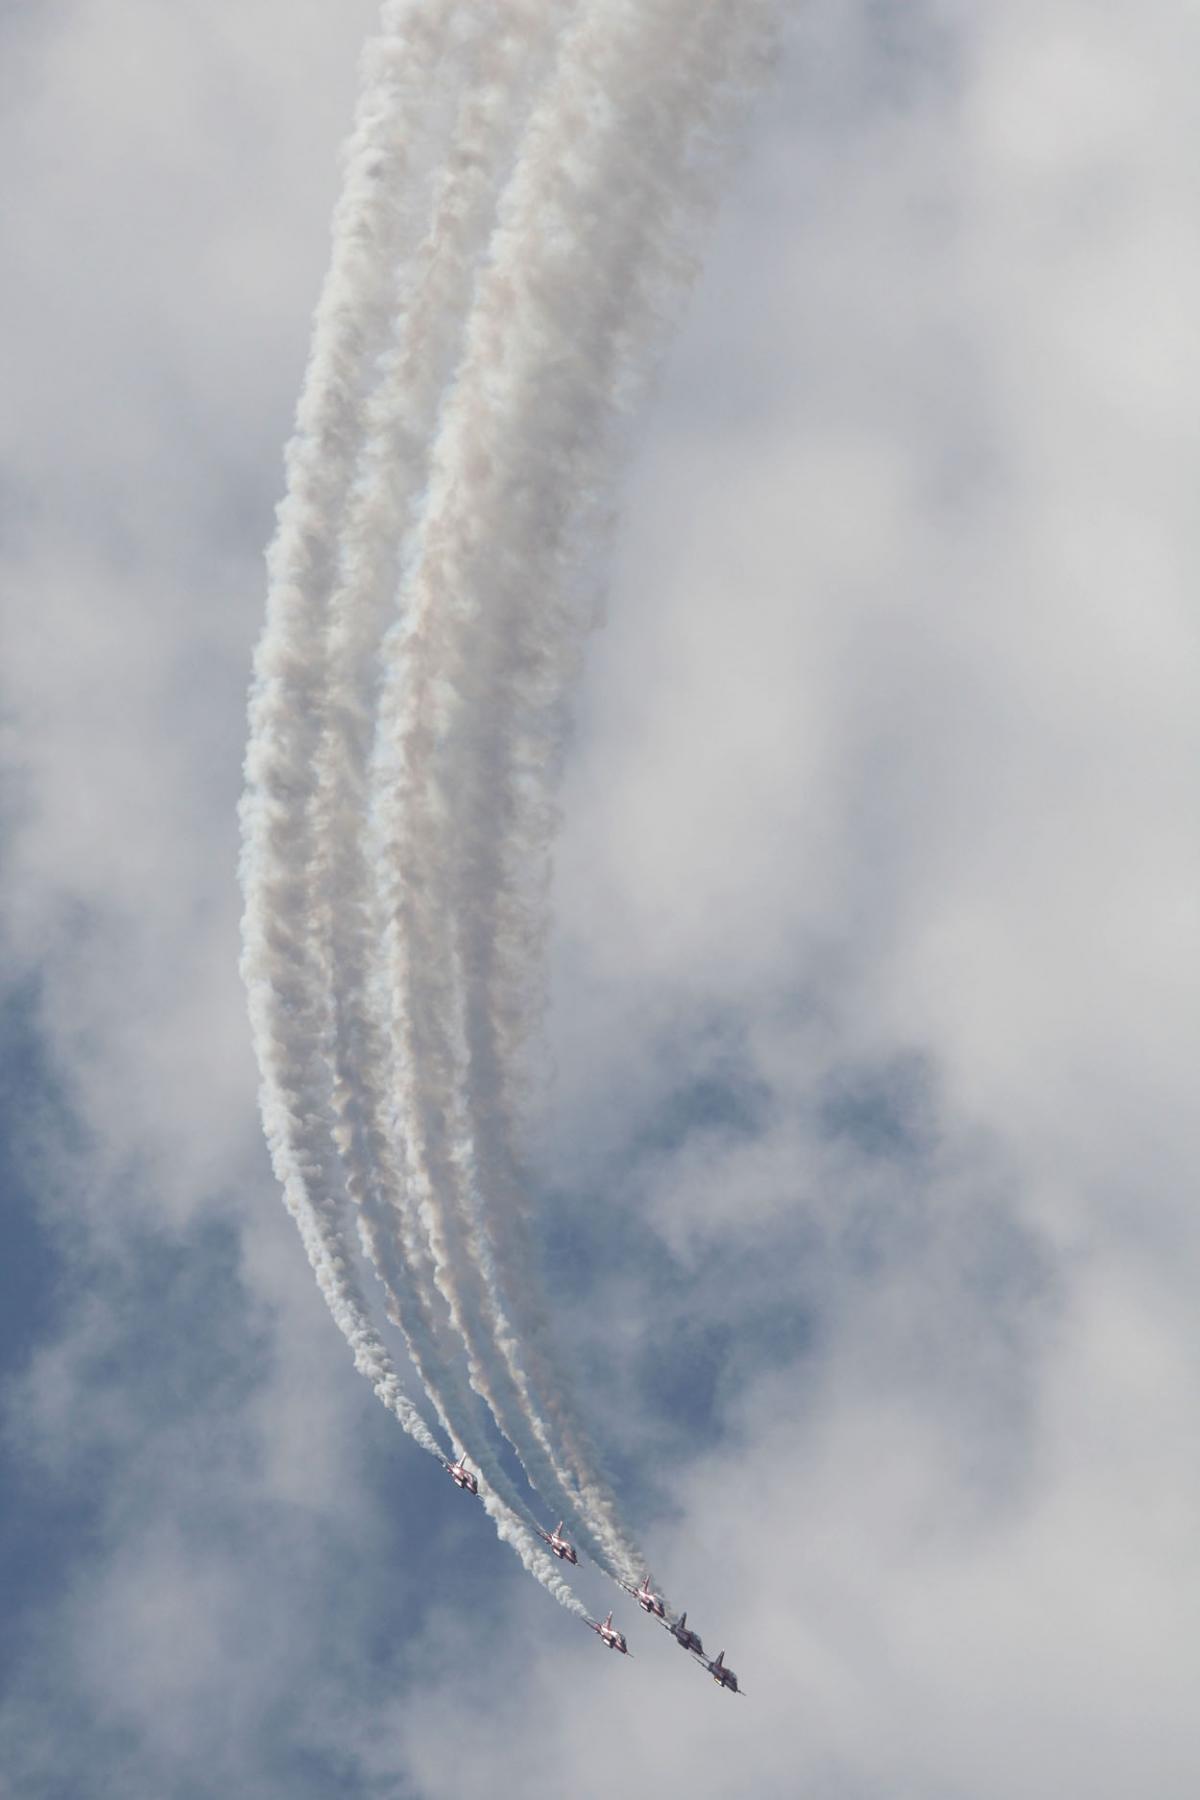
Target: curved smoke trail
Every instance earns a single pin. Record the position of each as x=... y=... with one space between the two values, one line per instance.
x=392 y=129
x=400 y=423
x=456 y=443
x=587 y=264
x=422 y=51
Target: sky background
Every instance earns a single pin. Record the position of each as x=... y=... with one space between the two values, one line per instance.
x=865 y=1138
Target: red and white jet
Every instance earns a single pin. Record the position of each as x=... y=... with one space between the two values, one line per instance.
x=683 y=1634
x=558 y=1543
x=721 y=1675
x=648 y=1600
x=609 y=1635
x=461 y=1475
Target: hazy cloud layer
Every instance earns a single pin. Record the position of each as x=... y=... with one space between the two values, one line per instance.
x=865 y=1132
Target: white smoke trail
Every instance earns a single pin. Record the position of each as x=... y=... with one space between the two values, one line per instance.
x=591 y=222
x=392 y=128
x=587 y=261
x=423 y=1040
x=400 y=423
x=400 y=420
x=437 y=1371
x=282 y=953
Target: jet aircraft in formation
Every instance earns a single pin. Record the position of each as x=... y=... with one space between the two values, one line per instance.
x=610 y=1636
x=461 y=1475
x=688 y=1639
x=721 y=1675
x=647 y=1599
x=558 y=1543
x=684 y=1636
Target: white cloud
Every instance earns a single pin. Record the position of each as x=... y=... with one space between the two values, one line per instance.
x=884 y=763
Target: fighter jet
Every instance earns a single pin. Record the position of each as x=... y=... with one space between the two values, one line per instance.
x=609 y=1635
x=721 y=1675
x=683 y=1634
x=648 y=1600
x=461 y=1475
x=558 y=1543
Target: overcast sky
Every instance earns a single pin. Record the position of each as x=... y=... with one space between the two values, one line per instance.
x=866 y=1133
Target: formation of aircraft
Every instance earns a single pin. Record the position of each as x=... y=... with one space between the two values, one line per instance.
x=558 y=1543
x=609 y=1635
x=689 y=1640
x=647 y=1599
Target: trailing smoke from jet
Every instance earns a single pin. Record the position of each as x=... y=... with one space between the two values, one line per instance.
x=400 y=425
x=393 y=126
x=522 y=192
x=565 y=324
x=285 y=953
